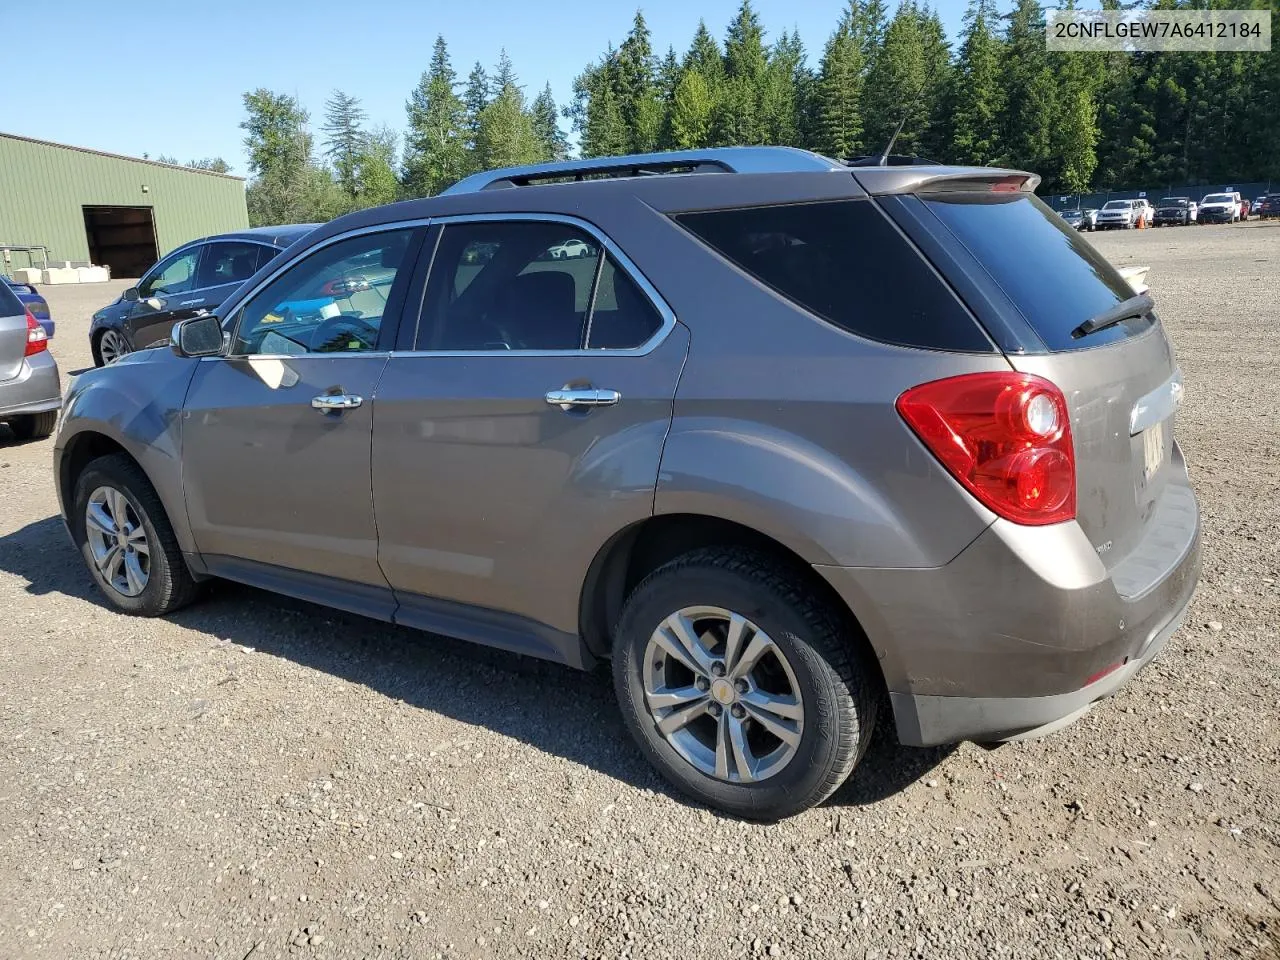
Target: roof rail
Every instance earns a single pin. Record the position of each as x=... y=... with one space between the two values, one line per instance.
x=712 y=160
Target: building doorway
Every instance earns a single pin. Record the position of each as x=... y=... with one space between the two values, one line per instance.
x=122 y=238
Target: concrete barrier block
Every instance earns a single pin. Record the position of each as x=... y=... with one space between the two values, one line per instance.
x=55 y=275
x=27 y=275
x=93 y=274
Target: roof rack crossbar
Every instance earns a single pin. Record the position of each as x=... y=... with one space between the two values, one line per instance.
x=713 y=160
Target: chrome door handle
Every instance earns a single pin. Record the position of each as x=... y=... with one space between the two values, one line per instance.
x=335 y=402
x=567 y=399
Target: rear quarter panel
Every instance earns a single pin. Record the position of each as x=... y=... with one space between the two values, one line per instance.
x=786 y=424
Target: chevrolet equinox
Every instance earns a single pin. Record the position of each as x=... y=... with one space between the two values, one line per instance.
x=789 y=442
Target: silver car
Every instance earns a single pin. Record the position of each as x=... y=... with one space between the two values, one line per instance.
x=30 y=393
x=797 y=445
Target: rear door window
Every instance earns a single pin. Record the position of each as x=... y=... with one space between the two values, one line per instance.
x=1055 y=277
x=226 y=262
x=845 y=262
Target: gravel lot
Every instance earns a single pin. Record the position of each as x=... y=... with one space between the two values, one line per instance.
x=263 y=778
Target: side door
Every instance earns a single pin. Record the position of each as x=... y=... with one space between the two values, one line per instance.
x=521 y=429
x=276 y=434
x=164 y=296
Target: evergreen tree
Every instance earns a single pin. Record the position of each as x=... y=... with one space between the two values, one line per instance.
x=739 y=109
x=596 y=112
x=436 y=141
x=692 y=110
x=896 y=86
x=344 y=137
x=669 y=73
x=637 y=89
x=976 y=96
x=936 y=53
x=504 y=75
x=704 y=56
x=375 y=170
x=839 y=94
x=474 y=99
x=781 y=103
x=505 y=135
x=546 y=126
x=868 y=19
x=1031 y=93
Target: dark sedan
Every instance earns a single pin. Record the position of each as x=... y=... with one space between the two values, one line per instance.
x=1270 y=206
x=196 y=276
x=30 y=298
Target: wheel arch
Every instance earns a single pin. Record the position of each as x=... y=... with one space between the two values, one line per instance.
x=635 y=552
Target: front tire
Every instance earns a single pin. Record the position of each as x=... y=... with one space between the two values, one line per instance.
x=109 y=347
x=741 y=685
x=126 y=539
x=34 y=426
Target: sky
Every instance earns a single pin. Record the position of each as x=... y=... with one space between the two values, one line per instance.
x=141 y=76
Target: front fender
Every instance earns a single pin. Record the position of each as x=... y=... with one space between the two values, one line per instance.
x=135 y=403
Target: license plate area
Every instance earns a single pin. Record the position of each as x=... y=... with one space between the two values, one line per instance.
x=1152 y=453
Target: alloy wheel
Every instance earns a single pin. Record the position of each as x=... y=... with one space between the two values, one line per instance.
x=112 y=346
x=118 y=541
x=723 y=695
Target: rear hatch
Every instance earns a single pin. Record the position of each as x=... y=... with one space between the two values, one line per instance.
x=1037 y=281
x=13 y=333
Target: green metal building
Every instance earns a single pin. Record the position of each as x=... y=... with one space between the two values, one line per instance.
x=104 y=209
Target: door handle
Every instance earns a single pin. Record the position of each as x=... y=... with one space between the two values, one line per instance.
x=567 y=398
x=336 y=402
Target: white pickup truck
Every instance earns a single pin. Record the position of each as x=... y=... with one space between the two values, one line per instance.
x=1220 y=208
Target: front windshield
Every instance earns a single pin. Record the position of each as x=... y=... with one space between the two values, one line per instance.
x=1218 y=198
x=1116 y=205
x=1173 y=202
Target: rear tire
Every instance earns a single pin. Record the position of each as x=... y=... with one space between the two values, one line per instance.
x=34 y=426
x=151 y=581
x=812 y=672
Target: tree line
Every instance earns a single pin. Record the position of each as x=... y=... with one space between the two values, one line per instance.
x=996 y=97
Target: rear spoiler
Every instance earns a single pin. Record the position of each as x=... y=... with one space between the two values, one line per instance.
x=881 y=181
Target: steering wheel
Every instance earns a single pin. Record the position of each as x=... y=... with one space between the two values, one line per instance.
x=346 y=325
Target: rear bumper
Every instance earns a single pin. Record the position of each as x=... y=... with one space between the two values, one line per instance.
x=1026 y=628
x=36 y=389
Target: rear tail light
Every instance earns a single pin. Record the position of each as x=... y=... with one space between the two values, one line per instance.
x=37 y=339
x=1005 y=437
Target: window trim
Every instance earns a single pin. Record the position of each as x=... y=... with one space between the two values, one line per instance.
x=199 y=246
x=174 y=255
x=237 y=313
x=624 y=263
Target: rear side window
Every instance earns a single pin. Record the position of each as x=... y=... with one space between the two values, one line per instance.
x=227 y=262
x=845 y=262
x=1055 y=277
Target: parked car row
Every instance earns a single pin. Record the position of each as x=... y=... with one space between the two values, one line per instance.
x=1172 y=211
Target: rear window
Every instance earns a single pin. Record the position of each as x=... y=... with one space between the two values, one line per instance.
x=845 y=262
x=1055 y=277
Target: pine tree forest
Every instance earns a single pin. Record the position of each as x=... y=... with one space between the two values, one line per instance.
x=991 y=96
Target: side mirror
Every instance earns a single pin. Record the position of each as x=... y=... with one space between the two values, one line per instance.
x=130 y=295
x=197 y=337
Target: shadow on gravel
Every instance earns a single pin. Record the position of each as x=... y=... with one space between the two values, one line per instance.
x=555 y=709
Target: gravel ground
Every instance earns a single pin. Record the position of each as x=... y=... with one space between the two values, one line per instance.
x=263 y=778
